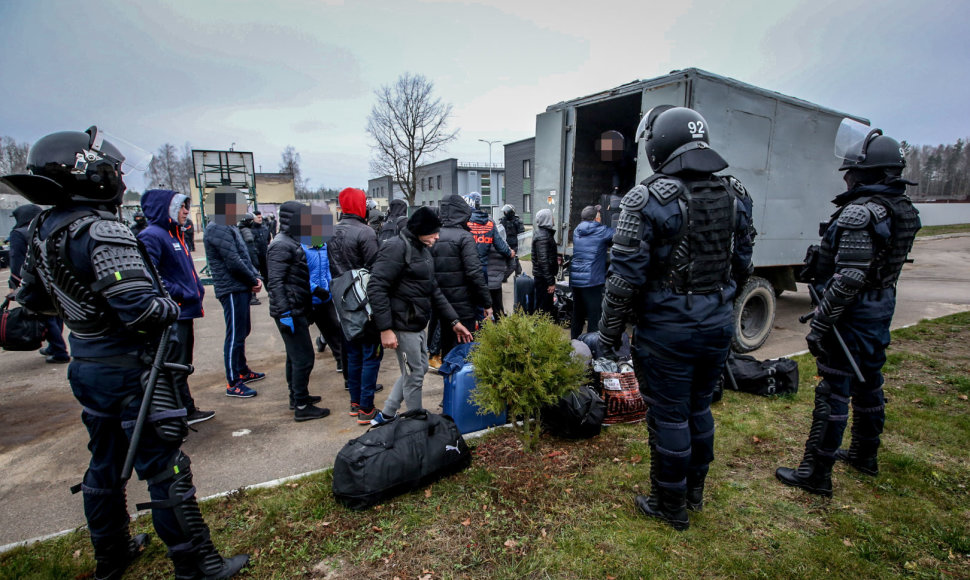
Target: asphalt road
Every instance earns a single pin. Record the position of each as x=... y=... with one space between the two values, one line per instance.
x=252 y=441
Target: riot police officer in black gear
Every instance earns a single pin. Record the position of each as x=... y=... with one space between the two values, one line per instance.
x=683 y=241
x=864 y=246
x=85 y=266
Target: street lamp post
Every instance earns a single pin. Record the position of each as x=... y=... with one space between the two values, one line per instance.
x=491 y=185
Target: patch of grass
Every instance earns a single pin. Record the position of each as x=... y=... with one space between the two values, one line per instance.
x=947 y=229
x=566 y=510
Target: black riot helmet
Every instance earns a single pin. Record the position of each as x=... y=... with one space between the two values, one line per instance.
x=876 y=151
x=677 y=140
x=72 y=167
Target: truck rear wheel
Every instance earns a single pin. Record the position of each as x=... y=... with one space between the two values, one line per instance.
x=754 y=314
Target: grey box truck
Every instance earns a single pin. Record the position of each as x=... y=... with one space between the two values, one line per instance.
x=780 y=147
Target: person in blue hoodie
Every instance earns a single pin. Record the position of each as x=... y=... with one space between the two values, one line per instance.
x=166 y=212
x=587 y=272
x=324 y=314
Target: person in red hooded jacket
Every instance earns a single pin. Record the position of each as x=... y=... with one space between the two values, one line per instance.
x=354 y=245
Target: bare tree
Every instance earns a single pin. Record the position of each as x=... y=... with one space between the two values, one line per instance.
x=170 y=169
x=407 y=123
x=13 y=156
x=290 y=163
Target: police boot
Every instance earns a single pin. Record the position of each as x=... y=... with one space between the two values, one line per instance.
x=669 y=505
x=203 y=562
x=861 y=455
x=114 y=557
x=695 y=488
x=814 y=474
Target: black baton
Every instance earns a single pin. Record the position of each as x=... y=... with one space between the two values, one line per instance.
x=838 y=336
x=146 y=400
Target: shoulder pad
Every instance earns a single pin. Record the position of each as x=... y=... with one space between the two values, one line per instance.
x=737 y=186
x=854 y=217
x=77 y=226
x=878 y=210
x=113 y=232
x=666 y=189
x=635 y=199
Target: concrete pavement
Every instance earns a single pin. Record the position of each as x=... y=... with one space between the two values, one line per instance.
x=43 y=444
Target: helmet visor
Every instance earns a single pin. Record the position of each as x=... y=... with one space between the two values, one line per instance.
x=132 y=157
x=850 y=140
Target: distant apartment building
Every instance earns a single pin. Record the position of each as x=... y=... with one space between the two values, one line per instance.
x=520 y=161
x=440 y=179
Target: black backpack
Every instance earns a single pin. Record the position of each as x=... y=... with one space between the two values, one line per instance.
x=19 y=328
x=578 y=415
x=406 y=453
x=766 y=378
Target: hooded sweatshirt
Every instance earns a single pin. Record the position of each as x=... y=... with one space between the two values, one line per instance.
x=167 y=250
x=397 y=217
x=18 y=240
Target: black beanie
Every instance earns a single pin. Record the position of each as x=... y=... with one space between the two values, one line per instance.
x=424 y=221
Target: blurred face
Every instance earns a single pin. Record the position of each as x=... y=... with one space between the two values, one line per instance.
x=258 y=218
x=183 y=214
x=315 y=225
x=226 y=208
x=429 y=239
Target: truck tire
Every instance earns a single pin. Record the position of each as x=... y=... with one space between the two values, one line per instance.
x=754 y=314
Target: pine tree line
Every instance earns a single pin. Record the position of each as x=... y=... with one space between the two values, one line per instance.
x=942 y=171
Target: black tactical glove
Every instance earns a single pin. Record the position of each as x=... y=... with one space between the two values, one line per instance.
x=168 y=311
x=821 y=328
x=609 y=346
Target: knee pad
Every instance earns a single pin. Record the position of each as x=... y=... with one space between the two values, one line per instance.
x=166 y=411
x=673 y=439
x=176 y=479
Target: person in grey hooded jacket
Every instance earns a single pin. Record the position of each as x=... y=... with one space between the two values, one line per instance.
x=545 y=261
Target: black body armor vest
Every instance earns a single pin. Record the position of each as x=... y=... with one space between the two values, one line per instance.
x=890 y=256
x=699 y=260
x=905 y=223
x=85 y=312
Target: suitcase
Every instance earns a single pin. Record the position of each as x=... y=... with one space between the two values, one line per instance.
x=401 y=455
x=456 y=404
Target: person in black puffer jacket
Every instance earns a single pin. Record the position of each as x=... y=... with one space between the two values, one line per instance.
x=290 y=305
x=396 y=218
x=458 y=270
x=261 y=239
x=545 y=261
x=245 y=227
x=499 y=269
x=513 y=229
x=402 y=292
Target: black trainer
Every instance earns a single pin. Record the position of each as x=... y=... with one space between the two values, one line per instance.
x=310 y=412
x=313 y=401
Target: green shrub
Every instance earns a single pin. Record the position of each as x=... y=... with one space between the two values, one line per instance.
x=522 y=363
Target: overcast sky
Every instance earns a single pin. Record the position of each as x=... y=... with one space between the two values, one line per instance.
x=264 y=75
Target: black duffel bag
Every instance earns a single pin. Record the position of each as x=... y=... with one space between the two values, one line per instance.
x=19 y=328
x=777 y=376
x=404 y=454
x=578 y=415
